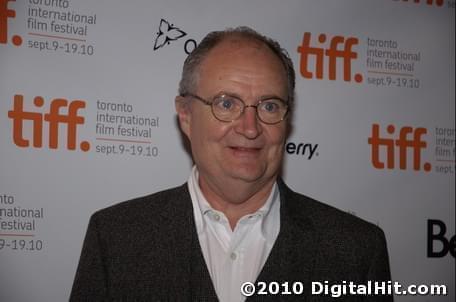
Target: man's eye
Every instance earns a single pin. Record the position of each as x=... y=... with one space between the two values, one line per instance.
x=226 y=104
x=270 y=107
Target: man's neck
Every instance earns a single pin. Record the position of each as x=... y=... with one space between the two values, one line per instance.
x=237 y=198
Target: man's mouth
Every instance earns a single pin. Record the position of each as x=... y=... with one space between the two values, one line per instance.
x=245 y=150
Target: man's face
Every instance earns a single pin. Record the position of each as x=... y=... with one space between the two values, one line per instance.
x=246 y=149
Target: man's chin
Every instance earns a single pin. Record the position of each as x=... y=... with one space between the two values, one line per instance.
x=247 y=173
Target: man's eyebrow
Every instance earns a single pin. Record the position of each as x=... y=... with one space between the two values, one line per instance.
x=261 y=98
x=228 y=93
x=271 y=96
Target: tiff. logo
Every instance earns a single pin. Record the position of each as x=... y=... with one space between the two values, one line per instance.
x=428 y=2
x=329 y=56
x=54 y=118
x=6 y=13
x=403 y=144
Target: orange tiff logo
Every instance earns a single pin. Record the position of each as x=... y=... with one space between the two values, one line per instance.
x=428 y=2
x=54 y=118
x=402 y=144
x=6 y=13
x=323 y=56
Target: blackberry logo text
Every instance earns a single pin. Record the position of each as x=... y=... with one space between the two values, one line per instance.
x=403 y=144
x=448 y=245
x=5 y=14
x=54 y=118
x=328 y=57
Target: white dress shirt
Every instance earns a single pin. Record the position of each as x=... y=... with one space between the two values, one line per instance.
x=234 y=256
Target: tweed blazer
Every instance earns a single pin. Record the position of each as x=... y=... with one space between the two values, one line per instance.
x=147 y=249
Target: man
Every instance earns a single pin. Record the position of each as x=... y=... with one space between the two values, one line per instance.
x=235 y=220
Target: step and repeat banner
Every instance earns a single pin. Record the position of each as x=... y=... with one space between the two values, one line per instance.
x=87 y=120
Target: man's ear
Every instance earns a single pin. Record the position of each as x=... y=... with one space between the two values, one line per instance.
x=183 y=111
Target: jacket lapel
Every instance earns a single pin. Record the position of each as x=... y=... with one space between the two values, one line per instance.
x=201 y=285
x=195 y=271
x=292 y=256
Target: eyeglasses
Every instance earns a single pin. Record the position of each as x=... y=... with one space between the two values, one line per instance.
x=228 y=108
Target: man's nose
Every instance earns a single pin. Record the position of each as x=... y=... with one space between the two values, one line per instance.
x=248 y=123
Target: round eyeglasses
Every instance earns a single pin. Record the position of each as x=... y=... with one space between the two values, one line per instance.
x=228 y=108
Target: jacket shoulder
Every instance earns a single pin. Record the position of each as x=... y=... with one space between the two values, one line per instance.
x=345 y=246
x=329 y=220
x=145 y=209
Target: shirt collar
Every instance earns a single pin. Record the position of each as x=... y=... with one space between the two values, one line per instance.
x=270 y=213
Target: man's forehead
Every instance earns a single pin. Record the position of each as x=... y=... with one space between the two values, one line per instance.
x=236 y=41
x=236 y=47
x=239 y=56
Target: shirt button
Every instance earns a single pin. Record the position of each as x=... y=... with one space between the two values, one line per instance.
x=216 y=217
x=233 y=256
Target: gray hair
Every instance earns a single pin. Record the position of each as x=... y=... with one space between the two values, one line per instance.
x=190 y=73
